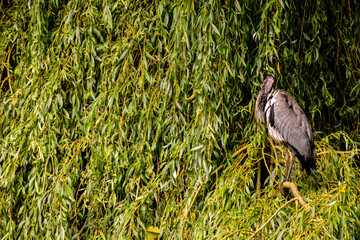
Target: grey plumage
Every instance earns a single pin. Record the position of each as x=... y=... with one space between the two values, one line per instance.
x=286 y=123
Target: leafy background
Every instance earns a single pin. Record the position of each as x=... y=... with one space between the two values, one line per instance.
x=121 y=115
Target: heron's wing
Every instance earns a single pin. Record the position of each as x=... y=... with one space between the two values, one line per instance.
x=288 y=124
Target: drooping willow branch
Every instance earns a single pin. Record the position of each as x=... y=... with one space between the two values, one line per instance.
x=295 y=191
x=277 y=211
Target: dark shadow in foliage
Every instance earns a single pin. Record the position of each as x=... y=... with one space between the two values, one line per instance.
x=6 y=4
x=79 y=220
x=5 y=78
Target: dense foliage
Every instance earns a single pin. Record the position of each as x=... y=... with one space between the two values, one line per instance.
x=120 y=115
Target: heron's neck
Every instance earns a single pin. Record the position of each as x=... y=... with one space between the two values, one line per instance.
x=260 y=105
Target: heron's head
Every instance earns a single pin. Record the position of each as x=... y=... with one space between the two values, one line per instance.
x=268 y=84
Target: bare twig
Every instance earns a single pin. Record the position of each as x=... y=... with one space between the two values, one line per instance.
x=239 y=151
x=190 y=98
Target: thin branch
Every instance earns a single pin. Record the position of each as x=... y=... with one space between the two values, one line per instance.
x=240 y=230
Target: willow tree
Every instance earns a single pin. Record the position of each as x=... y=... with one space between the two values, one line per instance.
x=117 y=116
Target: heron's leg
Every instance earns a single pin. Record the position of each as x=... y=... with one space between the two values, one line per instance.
x=286 y=164
x=286 y=172
x=288 y=168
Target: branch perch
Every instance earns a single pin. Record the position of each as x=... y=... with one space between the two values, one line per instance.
x=295 y=191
